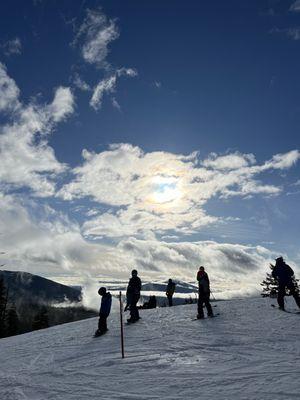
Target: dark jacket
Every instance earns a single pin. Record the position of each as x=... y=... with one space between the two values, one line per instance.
x=170 y=289
x=133 y=289
x=203 y=280
x=105 y=305
x=283 y=273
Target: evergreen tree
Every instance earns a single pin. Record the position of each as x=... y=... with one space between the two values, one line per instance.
x=270 y=285
x=40 y=320
x=12 y=322
x=296 y=284
x=3 y=300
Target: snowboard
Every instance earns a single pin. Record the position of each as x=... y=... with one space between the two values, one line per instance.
x=286 y=311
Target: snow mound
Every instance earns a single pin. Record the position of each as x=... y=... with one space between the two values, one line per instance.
x=249 y=351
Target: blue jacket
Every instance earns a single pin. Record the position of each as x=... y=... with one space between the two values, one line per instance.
x=105 y=305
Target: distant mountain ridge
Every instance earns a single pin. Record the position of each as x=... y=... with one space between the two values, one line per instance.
x=34 y=288
x=181 y=287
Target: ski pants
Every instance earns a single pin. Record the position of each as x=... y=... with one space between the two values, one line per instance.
x=134 y=312
x=281 y=294
x=204 y=299
x=170 y=299
x=102 y=325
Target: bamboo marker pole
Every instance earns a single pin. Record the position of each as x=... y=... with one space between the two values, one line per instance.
x=121 y=323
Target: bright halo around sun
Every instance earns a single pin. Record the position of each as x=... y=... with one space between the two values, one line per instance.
x=165 y=190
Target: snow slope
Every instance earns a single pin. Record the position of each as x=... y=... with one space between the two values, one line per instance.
x=250 y=351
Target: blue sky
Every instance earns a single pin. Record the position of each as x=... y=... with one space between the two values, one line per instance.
x=159 y=135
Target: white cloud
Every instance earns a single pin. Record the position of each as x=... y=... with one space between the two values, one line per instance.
x=81 y=84
x=48 y=245
x=52 y=245
x=108 y=86
x=164 y=192
x=94 y=35
x=9 y=92
x=62 y=105
x=295 y=7
x=283 y=161
x=230 y=161
x=26 y=158
x=12 y=47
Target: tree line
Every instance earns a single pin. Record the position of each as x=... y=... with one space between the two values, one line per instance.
x=18 y=316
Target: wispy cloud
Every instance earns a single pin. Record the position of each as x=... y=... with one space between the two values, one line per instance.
x=81 y=84
x=295 y=7
x=116 y=104
x=292 y=33
x=108 y=86
x=93 y=38
x=12 y=47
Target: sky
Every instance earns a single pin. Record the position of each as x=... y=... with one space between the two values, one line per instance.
x=152 y=135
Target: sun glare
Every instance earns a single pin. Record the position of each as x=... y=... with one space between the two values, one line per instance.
x=164 y=190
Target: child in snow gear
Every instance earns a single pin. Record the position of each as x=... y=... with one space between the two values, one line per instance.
x=284 y=273
x=204 y=293
x=133 y=295
x=104 y=311
x=170 y=291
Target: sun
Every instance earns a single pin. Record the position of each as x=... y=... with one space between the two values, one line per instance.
x=164 y=190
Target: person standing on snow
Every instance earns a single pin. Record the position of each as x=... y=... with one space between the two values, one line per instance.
x=284 y=273
x=133 y=295
x=104 y=311
x=170 y=291
x=204 y=293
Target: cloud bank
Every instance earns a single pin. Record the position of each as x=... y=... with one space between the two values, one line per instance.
x=162 y=192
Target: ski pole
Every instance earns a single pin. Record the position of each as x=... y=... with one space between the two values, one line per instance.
x=121 y=323
x=212 y=294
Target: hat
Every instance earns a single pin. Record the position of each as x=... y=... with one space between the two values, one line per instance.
x=102 y=291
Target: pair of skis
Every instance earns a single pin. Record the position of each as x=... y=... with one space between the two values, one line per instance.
x=286 y=311
x=208 y=317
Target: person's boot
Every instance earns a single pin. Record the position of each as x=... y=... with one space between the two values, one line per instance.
x=200 y=316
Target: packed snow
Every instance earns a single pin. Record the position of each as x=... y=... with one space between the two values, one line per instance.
x=249 y=351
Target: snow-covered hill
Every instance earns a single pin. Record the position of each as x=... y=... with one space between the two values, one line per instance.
x=250 y=351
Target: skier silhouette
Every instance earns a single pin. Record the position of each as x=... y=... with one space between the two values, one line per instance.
x=284 y=273
x=133 y=295
x=170 y=291
x=204 y=294
x=104 y=311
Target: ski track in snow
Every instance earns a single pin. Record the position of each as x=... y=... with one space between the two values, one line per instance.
x=250 y=351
